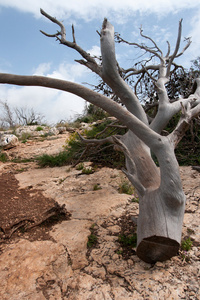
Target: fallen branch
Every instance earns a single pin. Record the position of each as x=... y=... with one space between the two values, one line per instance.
x=57 y=212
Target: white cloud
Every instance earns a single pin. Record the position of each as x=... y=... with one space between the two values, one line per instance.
x=53 y=104
x=56 y=105
x=65 y=71
x=92 y=9
x=42 y=69
x=194 y=49
x=95 y=51
x=118 y=11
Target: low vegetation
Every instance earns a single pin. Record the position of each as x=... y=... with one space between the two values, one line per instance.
x=125 y=187
x=97 y=187
x=186 y=244
x=57 y=160
x=128 y=240
x=75 y=150
x=88 y=170
x=80 y=167
x=39 y=128
x=92 y=238
x=3 y=157
x=25 y=136
x=188 y=149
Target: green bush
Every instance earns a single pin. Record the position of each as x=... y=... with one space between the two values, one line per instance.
x=97 y=187
x=126 y=188
x=3 y=157
x=99 y=154
x=53 y=160
x=186 y=244
x=67 y=156
x=128 y=240
x=87 y=170
x=80 y=167
x=92 y=114
x=25 y=136
x=39 y=128
x=92 y=240
x=21 y=160
x=187 y=149
x=135 y=200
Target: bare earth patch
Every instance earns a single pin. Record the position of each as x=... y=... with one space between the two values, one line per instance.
x=53 y=261
x=23 y=209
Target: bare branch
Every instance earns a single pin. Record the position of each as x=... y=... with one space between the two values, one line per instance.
x=176 y=48
x=169 y=49
x=181 y=127
x=81 y=156
x=111 y=125
x=141 y=46
x=197 y=90
x=153 y=42
x=111 y=73
x=138 y=81
x=144 y=69
x=61 y=36
x=132 y=173
x=150 y=76
x=62 y=33
x=186 y=47
x=188 y=114
x=51 y=35
x=117 y=126
x=195 y=112
x=98 y=33
x=148 y=136
x=28 y=116
x=96 y=141
x=73 y=34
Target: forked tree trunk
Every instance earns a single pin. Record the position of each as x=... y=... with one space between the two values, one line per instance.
x=161 y=197
x=162 y=200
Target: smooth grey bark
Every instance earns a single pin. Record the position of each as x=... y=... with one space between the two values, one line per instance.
x=161 y=196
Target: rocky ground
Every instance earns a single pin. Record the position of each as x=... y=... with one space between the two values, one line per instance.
x=55 y=261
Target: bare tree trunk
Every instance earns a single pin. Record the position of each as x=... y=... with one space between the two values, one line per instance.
x=161 y=202
x=159 y=227
x=161 y=197
x=161 y=213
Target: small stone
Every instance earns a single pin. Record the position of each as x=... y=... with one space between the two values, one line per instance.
x=114 y=229
x=9 y=141
x=130 y=262
x=115 y=256
x=159 y=264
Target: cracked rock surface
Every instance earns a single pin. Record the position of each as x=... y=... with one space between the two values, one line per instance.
x=62 y=265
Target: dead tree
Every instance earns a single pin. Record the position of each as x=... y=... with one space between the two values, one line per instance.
x=161 y=197
x=28 y=116
x=7 y=118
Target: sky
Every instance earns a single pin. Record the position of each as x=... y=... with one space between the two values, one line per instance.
x=25 y=51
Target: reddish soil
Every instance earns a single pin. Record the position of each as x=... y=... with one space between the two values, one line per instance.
x=23 y=209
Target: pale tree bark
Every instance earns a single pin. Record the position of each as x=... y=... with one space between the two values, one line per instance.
x=161 y=196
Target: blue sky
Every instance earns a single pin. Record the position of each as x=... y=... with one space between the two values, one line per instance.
x=24 y=50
